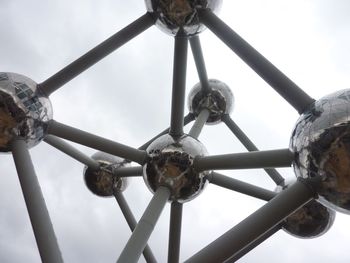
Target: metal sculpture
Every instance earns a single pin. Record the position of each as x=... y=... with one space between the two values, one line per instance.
x=176 y=166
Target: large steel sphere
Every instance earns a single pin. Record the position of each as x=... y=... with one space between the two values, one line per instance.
x=180 y=17
x=310 y=221
x=321 y=143
x=105 y=181
x=24 y=111
x=218 y=101
x=170 y=164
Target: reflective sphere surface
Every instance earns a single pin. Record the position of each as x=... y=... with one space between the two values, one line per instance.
x=180 y=17
x=321 y=143
x=218 y=101
x=24 y=111
x=170 y=164
x=104 y=181
x=310 y=221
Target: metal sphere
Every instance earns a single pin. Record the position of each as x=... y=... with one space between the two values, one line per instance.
x=24 y=111
x=310 y=221
x=321 y=143
x=170 y=164
x=180 y=17
x=218 y=101
x=104 y=181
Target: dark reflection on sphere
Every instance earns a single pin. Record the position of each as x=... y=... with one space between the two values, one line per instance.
x=218 y=101
x=103 y=182
x=180 y=17
x=24 y=111
x=170 y=164
x=321 y=143
x=310 y=221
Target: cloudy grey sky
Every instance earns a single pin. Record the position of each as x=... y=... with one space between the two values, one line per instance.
x=126 y=97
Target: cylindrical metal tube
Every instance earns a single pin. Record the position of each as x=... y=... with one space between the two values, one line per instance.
x=96 y=142
x=138 y=240
x=255 y=225
x=249 y=145
x=254 y=244
x=96 y=54
x=175 y=232
x=241 y=187
x=272 y=75
x=250 y=160
x=128 y=171
x=71 y=151
x=179 y=86
x=37 y=211
x=200 y=64
x=199 y=123
x=130 y=219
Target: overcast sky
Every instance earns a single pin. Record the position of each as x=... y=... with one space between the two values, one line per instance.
x=126 y=97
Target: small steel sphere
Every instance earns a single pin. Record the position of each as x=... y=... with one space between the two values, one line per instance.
x=170 y=164
x=180 y=17
x=104 y=181
x=321 y=143
x=218 y=101
x=310 y=221
x=24 y=111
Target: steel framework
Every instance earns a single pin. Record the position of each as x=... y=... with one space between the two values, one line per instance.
x=233 y=244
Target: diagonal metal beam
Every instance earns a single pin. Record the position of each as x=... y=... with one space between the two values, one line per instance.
x=250 y=160
x=199 y=123
x=175 y=232
x=241 y=187
x=254 y=244
x=200 y=64
x=272 y=75
x=91 y=163
x=37 y=211
x=71 y=151
x=96 y=54
x=130 y=219
x=249 y=145
x=179 y=86
x=138 y=240
x=255 y=225
x=96 y=142
x=188 y=118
